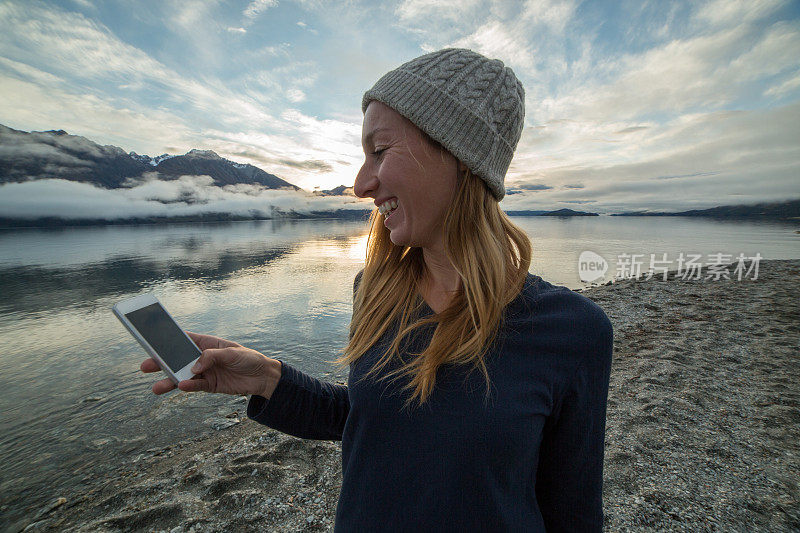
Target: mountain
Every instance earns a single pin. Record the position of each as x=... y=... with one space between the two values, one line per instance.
x=341 y=190
x=788 y=210
x=153 y=161
x=224 y=172
x=56 y=154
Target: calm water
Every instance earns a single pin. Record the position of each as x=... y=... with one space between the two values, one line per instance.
x=73 y=398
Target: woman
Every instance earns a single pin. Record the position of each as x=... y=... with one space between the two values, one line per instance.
x=445 y=291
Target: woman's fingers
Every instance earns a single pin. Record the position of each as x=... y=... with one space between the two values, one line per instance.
x=194 y=385
x=209 y=358
x=162 y=386
x=150 y=365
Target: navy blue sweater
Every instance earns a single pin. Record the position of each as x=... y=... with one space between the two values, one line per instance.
x=531 y=459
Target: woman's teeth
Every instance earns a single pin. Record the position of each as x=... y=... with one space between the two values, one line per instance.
x=387 y=207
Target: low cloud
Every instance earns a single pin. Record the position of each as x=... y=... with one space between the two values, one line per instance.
x=149 y=197
x=24 y=152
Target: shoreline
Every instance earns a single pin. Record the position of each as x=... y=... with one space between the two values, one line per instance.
x=702 y=430
x=347 y=215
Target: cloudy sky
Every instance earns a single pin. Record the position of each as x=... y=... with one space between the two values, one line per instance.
x=661 y=105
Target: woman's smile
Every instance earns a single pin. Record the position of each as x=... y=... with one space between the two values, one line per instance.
x=387 y=206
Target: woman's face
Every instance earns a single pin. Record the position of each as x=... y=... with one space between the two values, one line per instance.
x=410 y=170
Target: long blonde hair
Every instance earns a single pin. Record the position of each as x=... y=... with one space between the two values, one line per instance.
x=491 y=256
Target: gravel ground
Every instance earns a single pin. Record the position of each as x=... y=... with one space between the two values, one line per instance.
x=703 y=431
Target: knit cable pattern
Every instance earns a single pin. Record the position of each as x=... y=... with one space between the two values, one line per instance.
x=472 y=105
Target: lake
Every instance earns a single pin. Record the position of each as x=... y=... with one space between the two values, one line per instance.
x=73 y=396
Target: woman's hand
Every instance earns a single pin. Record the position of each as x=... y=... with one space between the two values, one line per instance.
x=224 y=367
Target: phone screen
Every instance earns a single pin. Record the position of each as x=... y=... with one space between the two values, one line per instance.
x=164 y=335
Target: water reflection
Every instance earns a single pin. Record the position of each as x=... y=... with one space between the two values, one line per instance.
x=84 y=245
x=69 y=371
x=105 y=262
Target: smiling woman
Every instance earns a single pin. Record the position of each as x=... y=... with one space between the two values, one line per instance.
x=445 y=290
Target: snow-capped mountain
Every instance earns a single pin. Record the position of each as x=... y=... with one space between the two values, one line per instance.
x=37 y=155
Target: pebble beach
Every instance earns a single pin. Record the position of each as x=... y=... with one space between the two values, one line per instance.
x=702 y=430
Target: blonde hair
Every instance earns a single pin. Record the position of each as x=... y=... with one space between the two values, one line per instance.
x=491 y=256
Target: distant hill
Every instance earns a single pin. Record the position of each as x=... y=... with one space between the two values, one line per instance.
x=568 y=213
x=556 y=213
x=56 y=154
x=788 y=210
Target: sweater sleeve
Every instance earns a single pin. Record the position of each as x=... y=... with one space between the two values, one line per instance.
x=569 y=485
x=303 y=406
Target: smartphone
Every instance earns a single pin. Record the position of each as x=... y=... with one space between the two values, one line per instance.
x=158 y=333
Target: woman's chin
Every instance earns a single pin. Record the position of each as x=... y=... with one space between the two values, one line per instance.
x=396 y=240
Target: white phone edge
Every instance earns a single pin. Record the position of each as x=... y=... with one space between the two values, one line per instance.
x=137 y=302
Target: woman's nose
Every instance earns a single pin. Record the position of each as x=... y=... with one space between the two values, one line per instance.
x=365 y=184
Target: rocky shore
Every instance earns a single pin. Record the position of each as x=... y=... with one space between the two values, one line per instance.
x=703 y=430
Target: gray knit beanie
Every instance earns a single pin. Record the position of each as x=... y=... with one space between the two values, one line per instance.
x=473 y=106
